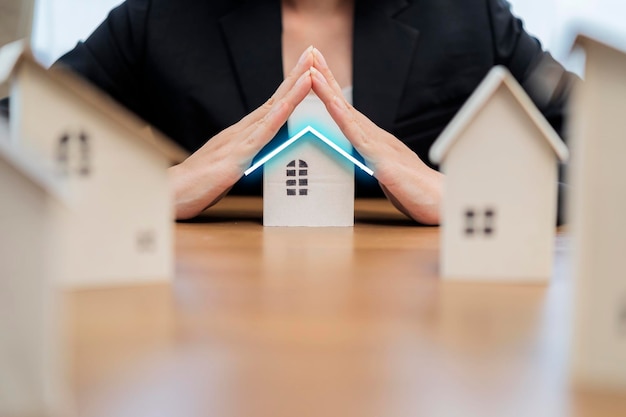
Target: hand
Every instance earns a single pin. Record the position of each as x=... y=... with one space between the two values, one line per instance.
x=412 y=186
x=207 y=175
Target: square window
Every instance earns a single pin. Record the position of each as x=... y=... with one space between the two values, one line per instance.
x=303 y=182
x=303 y=172
x=291 y=183
x=291 y=191
x=291 y=172
x=304 y=191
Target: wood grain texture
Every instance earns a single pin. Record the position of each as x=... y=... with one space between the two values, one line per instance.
x=323 y=322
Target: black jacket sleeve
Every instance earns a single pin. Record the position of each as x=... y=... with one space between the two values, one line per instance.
x=545 y=80
x=112 y=57
x=4 y=108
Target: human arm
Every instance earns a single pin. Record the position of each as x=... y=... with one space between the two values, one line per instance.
x=112 y=57
x=412 y=186
x=545 y=80
x=207 y=175
x=542 y=77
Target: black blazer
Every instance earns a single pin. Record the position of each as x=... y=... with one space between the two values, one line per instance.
x=195 y=67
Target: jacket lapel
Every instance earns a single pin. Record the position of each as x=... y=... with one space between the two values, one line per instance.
x=252 y=34
x=384 y=48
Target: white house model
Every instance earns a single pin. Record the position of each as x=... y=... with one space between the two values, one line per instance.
x=500 y=158
x=308 y=181
x=114 y=166
x=31 y=213
x=596 y=215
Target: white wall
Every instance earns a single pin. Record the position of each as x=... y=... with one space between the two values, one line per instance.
x=554 y=22
x=59 y=24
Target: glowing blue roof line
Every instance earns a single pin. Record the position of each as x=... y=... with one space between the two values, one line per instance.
x=321 y=137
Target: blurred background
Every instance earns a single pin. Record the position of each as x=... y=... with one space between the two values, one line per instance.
x=58 y=24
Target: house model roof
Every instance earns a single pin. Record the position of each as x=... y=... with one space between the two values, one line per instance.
x=593 y=35
x=16 y=54
x=318 y=136
x=20 y=162
x=498 y=77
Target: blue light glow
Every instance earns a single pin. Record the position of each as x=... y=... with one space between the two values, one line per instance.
x=319 y=136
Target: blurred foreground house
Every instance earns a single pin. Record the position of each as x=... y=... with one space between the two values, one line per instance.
x=596 y=210
x=31 y=241
x=114 y=166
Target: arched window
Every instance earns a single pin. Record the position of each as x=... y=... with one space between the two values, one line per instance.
x=297 y=178
x=69 y=161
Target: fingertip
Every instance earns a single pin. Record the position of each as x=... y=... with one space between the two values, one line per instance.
x=316 y=75
x=305 y=78
x=308 y=52
x=319 y=58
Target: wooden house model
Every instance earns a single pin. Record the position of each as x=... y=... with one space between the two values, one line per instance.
x=114 y=166
x=500 y=157
x=308 y=181
x=596 y=210
x=31 y=216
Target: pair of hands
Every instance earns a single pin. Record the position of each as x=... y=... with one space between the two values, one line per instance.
x=207 y=175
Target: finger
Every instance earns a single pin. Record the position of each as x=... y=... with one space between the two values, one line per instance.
x=347 y=117
x=260 y=133
x=304 y=63
x=321 y=64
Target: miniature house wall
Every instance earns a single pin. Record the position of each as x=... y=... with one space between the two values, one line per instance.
x=596 y=215
x=309 y=179
x=308 y=184
x=114 y=167
x=31 y=215
x=499 y=206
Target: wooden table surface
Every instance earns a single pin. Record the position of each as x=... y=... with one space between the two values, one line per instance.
x=342 y=322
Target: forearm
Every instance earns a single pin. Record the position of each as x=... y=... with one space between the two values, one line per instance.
x=418 y=194
x=193 y=192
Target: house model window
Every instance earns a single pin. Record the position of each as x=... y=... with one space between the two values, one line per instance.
x=73 y=154
x=297 y=181
x=477 y=221
x=146 y=241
